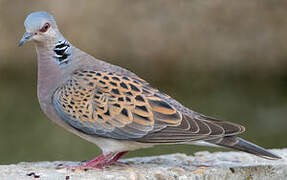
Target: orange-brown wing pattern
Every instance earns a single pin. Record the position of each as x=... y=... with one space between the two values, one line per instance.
x=122 y=107
x=111 y=105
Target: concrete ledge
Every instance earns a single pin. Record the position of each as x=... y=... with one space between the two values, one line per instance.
x=203 y=165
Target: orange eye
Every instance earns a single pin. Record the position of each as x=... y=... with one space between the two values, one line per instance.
x=45 y=27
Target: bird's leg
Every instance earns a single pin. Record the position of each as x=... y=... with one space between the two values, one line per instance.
x=97 y=162
x=109 y=159
x=115 y=159
x=118 y=156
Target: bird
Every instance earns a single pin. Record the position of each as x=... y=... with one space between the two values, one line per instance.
x=114 y=108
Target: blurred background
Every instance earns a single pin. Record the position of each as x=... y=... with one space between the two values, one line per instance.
x=223 y=58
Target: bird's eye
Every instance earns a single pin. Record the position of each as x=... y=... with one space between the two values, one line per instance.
x=45 y=27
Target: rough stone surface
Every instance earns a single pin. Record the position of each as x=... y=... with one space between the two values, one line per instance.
x=203 y=165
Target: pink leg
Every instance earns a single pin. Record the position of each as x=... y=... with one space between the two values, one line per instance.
x=118 y=156
x=98 y=162
x=115 y=159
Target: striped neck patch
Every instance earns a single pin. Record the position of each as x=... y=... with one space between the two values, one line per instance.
x=62 y=51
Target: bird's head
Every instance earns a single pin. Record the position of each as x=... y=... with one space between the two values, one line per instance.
x=40 y=27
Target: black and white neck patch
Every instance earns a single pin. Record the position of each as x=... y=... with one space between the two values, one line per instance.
x=62 y=51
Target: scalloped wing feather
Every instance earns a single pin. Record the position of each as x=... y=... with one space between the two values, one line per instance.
x=115 y=106
x=110 y=105
x=198 y=127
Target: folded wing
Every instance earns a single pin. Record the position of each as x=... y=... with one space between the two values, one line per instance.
x=121 y=107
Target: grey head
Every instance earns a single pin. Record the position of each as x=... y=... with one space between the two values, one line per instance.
x=40 y=27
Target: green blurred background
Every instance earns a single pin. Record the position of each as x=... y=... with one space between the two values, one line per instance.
x=223 y=58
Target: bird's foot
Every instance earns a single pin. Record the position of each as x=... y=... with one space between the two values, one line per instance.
x=92 y=164
x=99 y=162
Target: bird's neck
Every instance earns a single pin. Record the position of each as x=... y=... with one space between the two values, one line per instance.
x=52 y=56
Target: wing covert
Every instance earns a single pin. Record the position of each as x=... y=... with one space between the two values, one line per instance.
x=111 y=105
x=120 y=107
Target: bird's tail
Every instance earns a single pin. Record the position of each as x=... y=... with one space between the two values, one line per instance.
x=242 y=145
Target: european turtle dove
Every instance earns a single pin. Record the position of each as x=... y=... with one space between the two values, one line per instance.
x=113 y=107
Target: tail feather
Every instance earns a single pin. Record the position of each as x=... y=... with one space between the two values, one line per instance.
x=242 y=145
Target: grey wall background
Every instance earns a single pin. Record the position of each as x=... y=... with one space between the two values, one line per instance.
x=224 y=58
